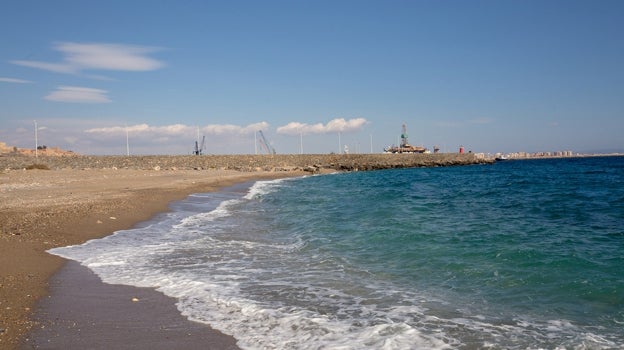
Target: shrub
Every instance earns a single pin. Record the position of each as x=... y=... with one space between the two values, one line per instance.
x=37 y=166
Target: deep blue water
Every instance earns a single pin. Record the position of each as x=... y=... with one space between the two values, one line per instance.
x=516 y=255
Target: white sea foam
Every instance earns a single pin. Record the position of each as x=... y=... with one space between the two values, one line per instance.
x=261 y=188
x=282 y=293
x=203 y=218
x=216 y=295
x=111 y=263
x=258 y=327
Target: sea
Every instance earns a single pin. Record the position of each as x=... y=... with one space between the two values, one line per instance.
x=520 y=254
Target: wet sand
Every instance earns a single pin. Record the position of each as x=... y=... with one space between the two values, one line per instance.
x=81 y=312
x=42 y=209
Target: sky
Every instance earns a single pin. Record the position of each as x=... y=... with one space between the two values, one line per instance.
x=153 y=77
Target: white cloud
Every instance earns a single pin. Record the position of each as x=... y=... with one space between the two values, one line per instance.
x=179 y=129
x=77 y=94
x=98 y=56
x=14 y=80
x=52 y=67
x=118 y=129
x=109 y=56
x=222 y=129
x=335 y=125
x=106 y=135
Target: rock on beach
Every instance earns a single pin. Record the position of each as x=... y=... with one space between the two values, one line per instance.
x=246 y=163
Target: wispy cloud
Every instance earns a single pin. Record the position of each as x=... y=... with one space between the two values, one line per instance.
x=179 y=129
x=224 y=129
x=14 y=80
x=76 y=94
x=78 y=57
x=107 y=135
x=335 y=125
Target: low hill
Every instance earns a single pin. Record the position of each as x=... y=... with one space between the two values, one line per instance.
x=41 y=150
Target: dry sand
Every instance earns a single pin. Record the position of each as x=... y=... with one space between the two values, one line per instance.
x=42 y=209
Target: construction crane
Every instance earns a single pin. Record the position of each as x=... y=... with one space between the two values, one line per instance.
x=404 y=146
x=265 y=144
x=404 y=142
x=200 y=148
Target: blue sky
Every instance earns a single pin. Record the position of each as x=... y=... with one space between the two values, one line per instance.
x=315 y=76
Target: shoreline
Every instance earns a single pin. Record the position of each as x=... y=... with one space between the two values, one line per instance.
x=43 y=209
x=87 y=197
x=82 y=312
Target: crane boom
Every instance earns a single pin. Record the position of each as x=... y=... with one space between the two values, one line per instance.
x=199 y=149
x=404 y=142
x=265 y=144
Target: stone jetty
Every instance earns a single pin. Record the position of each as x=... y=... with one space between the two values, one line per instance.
x=313 y=163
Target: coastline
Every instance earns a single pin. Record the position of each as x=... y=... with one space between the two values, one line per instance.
x=82 y=312
x=86 y=197
x=43 y=209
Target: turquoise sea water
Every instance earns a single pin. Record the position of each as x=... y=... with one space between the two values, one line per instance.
x=515 y=255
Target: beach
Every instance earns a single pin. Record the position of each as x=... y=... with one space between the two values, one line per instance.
x=42 y=209
x=81 y=198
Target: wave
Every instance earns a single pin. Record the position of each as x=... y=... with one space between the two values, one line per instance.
x=333 y=262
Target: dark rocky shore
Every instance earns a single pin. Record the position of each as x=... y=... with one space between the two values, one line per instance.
x=313 y=163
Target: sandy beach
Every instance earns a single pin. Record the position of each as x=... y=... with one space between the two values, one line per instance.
x=81 y=312
x=42 y=209
x=84 y=197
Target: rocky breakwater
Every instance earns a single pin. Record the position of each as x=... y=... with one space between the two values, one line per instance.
x=313 y=163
